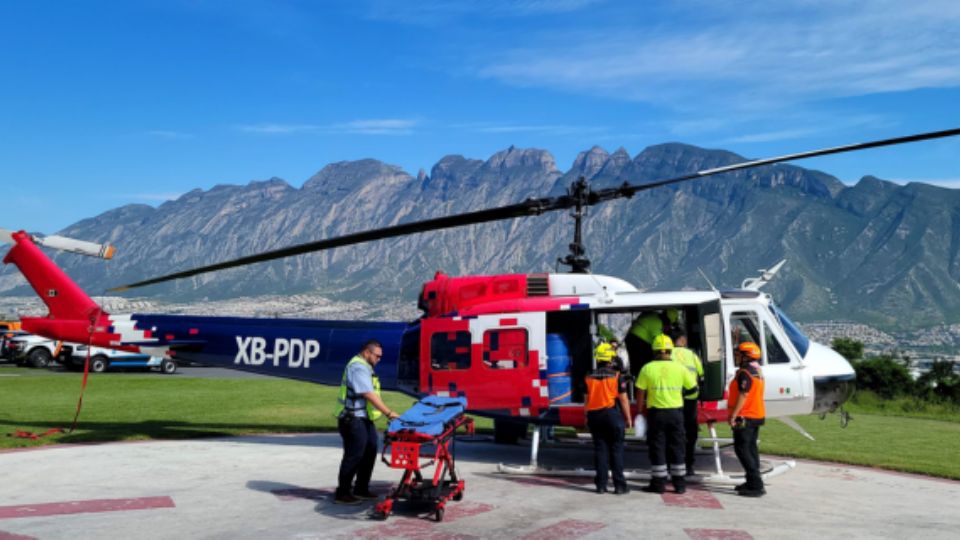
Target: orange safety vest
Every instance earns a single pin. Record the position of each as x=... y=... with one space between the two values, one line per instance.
x=753 y=406
x=602 y=390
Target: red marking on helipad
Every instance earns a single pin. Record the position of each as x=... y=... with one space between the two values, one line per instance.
x=693 y=498
x=4 y=535
x=717 y=534
x=564 y=530
x=83 y=507
x=399 y=526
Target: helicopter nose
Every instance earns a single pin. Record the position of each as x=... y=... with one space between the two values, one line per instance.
x=830 y=392
x=834 y=380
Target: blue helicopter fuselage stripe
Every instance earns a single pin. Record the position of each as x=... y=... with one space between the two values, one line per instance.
x=251 y=344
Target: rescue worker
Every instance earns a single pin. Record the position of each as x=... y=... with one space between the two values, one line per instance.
x=688 y=359
x=619 y=354
x=358 y=406
x=608 y=417
x=670 y=318
x=661 y=386
x=747 y=414
x=640 y=338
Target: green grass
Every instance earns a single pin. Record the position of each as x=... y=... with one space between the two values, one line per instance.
x=127 y=406
x=910 y=407
x=904 y=444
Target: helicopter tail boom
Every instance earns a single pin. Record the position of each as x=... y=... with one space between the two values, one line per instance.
x=67 y=302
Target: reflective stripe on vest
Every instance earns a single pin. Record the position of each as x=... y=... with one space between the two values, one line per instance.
x=691 y=361
x=372 y=412
x=753 y=406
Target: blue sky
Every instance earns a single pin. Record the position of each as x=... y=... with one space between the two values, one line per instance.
x=109 y=103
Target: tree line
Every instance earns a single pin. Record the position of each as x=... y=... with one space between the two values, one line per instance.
x=888 y=375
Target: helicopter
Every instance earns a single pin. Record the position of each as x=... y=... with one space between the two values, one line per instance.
x=514 y=345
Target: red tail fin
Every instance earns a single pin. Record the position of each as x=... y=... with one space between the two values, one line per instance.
x=64 y=298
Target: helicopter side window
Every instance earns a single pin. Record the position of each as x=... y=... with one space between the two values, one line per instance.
x=505 y=348
x=744 y=327
x=450 y=350
x=775 y=352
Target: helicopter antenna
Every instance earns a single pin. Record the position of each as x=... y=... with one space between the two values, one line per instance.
x=710 y=283
x=576 y=259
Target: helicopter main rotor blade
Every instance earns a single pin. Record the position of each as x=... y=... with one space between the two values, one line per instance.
x=526 y=208
x=530 y=207
x=628 y=190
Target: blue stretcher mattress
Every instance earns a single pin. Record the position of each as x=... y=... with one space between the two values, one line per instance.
x=429 y=416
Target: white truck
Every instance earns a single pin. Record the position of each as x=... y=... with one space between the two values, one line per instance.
x=104 y=359
x=36 y=351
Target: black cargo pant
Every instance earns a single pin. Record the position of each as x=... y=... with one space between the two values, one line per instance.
x=691 y=432
x=359 y=454
x=745 y=446
x=665 y=442
x=608 y=430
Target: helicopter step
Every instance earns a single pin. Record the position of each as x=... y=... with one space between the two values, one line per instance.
x=768 y=468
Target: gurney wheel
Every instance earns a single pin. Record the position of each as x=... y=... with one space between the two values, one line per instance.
x=458 y=496
x=438 y=514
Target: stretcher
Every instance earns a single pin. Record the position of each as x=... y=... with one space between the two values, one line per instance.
x=420 y=438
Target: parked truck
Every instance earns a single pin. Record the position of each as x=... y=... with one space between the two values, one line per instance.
x=36 y=351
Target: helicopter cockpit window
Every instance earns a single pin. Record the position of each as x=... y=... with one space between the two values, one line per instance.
x=795 y=335
x=450 y=350
x=505 y=348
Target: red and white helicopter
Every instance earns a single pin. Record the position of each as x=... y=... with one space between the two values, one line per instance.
x=490 y=339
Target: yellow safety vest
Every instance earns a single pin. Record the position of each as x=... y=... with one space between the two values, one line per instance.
x=372 y=412
x=647 y=327
x=691 y=361
x=664 y=381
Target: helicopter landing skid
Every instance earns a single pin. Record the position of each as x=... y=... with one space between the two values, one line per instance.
x=769 y=469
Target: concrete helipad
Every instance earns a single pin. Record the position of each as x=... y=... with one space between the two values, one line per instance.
x=281 y=487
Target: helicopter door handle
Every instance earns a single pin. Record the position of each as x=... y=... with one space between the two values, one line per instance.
x=798 y=367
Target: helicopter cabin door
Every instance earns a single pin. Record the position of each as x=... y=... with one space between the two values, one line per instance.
x=492 y=360
x=786 y=388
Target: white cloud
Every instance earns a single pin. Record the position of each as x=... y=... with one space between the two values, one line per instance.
x=754 y=55
x=384 y=126
x=389 y=126
x=492 y=127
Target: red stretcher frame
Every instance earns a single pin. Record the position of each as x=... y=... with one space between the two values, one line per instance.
x=407 y=452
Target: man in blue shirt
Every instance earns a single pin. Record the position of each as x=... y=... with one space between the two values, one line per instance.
x=358 y=406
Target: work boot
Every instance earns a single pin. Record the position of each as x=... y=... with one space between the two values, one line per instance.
x=741 y=487
x=679 y=485
x=748 y=492
x=621 y=490
x=601 y=490
x=656 y=487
